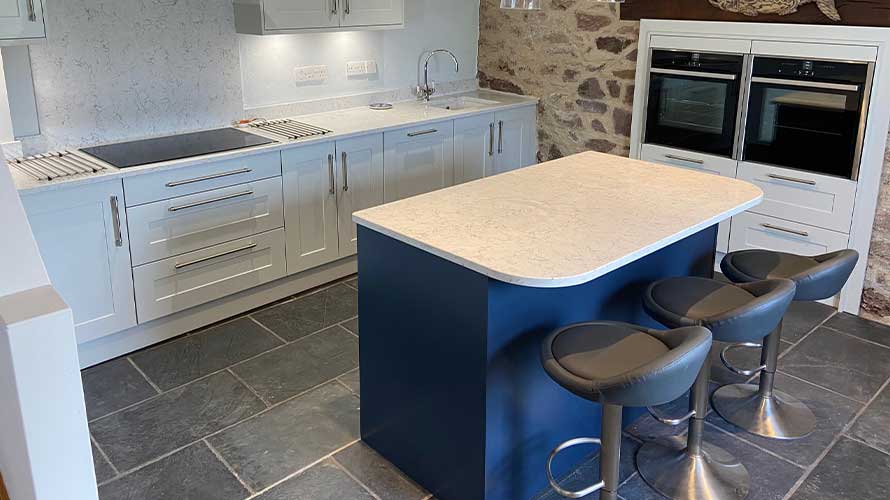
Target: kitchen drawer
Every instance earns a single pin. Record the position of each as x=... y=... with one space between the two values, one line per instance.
x=172 y=227
x=195 y=278
x=804 y=197
x=189 y=180
x=750 y=230
x=711 y=164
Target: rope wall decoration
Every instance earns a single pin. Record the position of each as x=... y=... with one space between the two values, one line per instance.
x=837 y=12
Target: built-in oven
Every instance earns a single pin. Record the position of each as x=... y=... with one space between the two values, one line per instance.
x=807 y=114
x=693 y=100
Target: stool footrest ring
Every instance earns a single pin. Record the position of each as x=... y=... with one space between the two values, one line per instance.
x=673 y=422
x=566 y=493
x=729 y=366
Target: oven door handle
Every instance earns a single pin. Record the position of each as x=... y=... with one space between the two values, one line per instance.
x=699 y=74
x=806 y=84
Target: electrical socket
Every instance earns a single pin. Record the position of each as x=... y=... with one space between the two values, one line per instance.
x=359 y=68
x=311 y=73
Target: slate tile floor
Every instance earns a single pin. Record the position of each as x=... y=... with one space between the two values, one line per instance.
x=265 y=406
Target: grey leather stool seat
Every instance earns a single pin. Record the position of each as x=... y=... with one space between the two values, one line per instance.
x=760 y=409
x=733 y=313
x=617 y=365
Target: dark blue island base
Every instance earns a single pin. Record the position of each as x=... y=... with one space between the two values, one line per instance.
x=453 y=392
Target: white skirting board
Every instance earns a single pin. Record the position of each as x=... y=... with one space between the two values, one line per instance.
x=138 y=337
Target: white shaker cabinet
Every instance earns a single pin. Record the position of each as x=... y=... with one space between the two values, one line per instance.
x=21 y=20
x=359 y=176
x=270 y=17
x=82 y=235
x=310 y=206
x=299 y=14
x=474 y=147
x=418 y=160
x=357 y=13
x=516 y=144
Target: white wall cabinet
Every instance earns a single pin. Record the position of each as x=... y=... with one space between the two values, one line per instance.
x=268 y=17
x=358 y=13
x=310 y=206
x=83 y=239
x=418 y=160
x=21 y=20
x=359 y=176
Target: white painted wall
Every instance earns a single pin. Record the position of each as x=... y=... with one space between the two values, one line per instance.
x=268 y=62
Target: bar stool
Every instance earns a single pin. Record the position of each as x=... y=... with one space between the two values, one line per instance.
x=760 y=409
x=733 y=313
x=617 y=365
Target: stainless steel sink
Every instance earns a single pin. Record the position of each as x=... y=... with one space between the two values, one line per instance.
x=458 y=103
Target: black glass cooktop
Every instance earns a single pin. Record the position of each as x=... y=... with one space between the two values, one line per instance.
x=175 y=147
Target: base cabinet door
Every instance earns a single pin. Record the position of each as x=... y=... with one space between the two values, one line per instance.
x=360 y=181
x=356 y=13
x=418 y=160
x=516 y=141
x=82 y=236
x=21 y=19
x=474 y=147
x=310 y=206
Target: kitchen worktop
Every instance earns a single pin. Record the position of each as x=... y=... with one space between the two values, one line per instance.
x=563 y=222
x=343 y=124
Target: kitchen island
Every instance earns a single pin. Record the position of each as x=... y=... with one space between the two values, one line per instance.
x=458 y=288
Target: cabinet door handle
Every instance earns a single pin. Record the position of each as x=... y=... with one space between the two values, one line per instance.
x=500 y=137
x=785 y=230
x=116 y=222
x=211 y=200
x=345 y=171
x=346 y=8
x=422 y=132
x=684 y=158
x=808 y=182
x=491 y=139
x=334 y=7
x=331 y=172
x=208 y=177
x=205 y=259
x=32 y=13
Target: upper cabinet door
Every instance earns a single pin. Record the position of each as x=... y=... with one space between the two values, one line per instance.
x=310 y=206
x=516 y=141
x=474 y=147
x=82 y=235
x=360 y=181
x=372 y=12
x=300 y=14
x=418 y=160
x=21 y=19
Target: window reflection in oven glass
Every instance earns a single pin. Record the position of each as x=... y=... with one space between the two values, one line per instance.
x=693 y=105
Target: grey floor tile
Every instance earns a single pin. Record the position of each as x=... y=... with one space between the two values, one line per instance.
x=188 y=358
x=743 y=358
x=113 y=385
x=589 y=472
x=380 y=476
x=353 y=282
x=832 y=412
x=353 y=381
x=860 y=327
x=103 y=469
x=802 y=318
x=193 y=473
x=352 y=325
x=302 y=365
x=647 y=428
x=324 y=481
x=173 y=419
x=873 y=426
x=851 y=470
x=839 y=362
x=771 y=478
x=271 y=446
x=309 y=314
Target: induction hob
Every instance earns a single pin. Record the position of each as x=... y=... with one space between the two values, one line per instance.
x=175 y=147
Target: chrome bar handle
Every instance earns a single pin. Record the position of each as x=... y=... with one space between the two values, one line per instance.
x=205 y=259
x=422 y=132
x=785 y=229
x=501 y=137
x=792 y=179
x=334 y=7
x=331 y=172
x=729 y=366
x=491 y=139
x=684 y=158
x=343 y=158
x=673 y=422
x=208 y=177
x=346 y=7
x=555 y=485
x=32 y=13
x=211 y=200
x=698 y=74
x=806 y=83
x=116 y=222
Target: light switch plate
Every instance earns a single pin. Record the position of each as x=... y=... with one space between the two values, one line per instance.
x=311 y=73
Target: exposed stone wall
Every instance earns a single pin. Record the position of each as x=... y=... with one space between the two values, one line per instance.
x=876 y=296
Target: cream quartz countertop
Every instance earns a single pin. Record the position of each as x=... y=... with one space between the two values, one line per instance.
x=343 y=123
x=564 y=222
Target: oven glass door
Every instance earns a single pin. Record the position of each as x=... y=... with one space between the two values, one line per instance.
x=696 y=113
x=804 y=125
